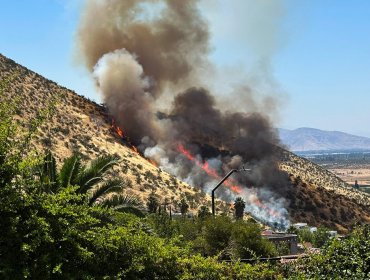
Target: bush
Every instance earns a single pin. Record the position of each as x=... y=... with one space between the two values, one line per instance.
x=340 y=259
x=248 y=242
x=217 y=234
x=209 y=269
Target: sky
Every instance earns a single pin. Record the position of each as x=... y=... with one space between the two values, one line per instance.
x=313 y=54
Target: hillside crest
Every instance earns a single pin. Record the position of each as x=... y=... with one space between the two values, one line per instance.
x=83 y=126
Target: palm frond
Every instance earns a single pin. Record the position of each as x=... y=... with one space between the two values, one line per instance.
x=110 y=186
x=94 y=172
x=124 y=203
x=132 y=210
x=70 y=170
x=121 y=199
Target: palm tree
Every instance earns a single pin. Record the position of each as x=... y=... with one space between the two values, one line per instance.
x=184 y=206
x=90 y=180
x=239 y=206
x=203 y=212
x=152 y=203
x=124 y=203
x=85 y=176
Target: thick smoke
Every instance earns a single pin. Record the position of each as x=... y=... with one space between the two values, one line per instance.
x=121 y=78
x=196 y=118
x=148 y=54
x=167 y=45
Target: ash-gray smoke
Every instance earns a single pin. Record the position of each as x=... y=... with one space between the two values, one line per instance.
x=160 y=52
x=142 y=52
x=196 y=117
x=234 y=138
x=168 y=45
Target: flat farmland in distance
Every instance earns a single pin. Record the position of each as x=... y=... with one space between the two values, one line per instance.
x=351 y=173
x=347 y=165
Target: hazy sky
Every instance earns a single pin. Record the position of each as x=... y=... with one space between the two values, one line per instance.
x=315 y=54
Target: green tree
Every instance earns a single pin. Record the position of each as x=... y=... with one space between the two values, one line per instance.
x=305 y=235
x=356 y=186
x=247 y=242
x=339 y=259
x=152 y=203
x=90 y=180
x=203 y=212
x=184 y=206
x=239 y=206
x=320 y=237
x=74 y=173
x=217 y=234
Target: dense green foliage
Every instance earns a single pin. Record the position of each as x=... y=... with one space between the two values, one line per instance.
x=340 y=259
x=204 y=212
x=51 y=228
x=214 y=236
x=317 y=238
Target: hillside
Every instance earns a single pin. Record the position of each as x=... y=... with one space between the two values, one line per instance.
x=83 y=126
x=310 y=139
x=78 y=124
x=317 y=196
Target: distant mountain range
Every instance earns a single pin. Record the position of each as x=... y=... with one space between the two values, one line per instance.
x=311 y=139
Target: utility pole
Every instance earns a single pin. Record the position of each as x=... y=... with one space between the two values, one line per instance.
x=220 y=183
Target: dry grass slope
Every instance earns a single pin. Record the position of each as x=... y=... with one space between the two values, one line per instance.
x=80 y=125
x=315 y=175
x=316 y=196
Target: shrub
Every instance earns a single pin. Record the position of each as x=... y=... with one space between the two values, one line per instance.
x=339 y=259
x=217 y=234
x=248 y=242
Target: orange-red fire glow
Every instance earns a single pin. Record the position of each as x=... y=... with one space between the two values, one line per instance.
x=152 y=162
x=120 y=133
x=134 y=149
x=230 y=183
x=117 y=129
x=258 y=202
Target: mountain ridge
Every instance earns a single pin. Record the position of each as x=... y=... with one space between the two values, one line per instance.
x=312 y=139
x=82 y=125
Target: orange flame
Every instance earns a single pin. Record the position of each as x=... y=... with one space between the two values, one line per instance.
x=135 y=149
x=230 y=183
x=152 y=162
x=117 y=129
x=120 y=133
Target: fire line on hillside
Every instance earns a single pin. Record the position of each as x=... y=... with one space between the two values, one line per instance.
x=144 y=66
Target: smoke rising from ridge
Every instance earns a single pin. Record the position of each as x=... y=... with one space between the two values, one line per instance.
x=168 y=46
x=139 y=59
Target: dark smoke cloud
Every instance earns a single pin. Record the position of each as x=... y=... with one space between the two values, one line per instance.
x=139 y=59
x=121 y=79
x=167 y=46
x=246 y=139
x=195 y=117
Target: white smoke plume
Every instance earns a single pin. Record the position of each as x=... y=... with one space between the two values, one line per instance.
x=148 y=54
